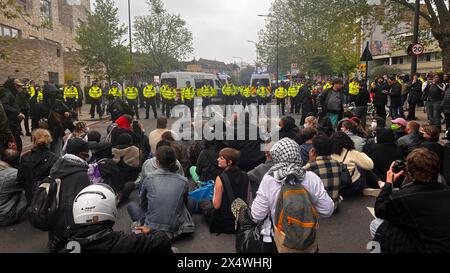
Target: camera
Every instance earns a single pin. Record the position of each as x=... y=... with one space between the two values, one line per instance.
x=399 y=166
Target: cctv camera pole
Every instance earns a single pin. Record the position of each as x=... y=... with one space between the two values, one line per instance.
x=416 y=37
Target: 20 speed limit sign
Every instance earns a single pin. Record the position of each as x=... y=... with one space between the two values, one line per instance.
x=417 y=49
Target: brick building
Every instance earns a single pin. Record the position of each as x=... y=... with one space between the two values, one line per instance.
x=42 y=46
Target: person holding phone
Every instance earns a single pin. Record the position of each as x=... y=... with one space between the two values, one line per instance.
x=414 y=218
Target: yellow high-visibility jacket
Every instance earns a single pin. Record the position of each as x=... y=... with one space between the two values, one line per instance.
x=70 y=93
x=149 y=91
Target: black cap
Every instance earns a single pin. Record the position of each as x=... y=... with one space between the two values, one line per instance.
x=76 y=146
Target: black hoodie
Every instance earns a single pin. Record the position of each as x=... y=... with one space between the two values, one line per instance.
x=74 y=178
x=102 y=239
x=8 y=99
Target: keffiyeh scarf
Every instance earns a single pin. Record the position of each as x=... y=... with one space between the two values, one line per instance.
x=288 y=164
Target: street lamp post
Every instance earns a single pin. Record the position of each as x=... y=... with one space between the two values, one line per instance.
x=129 y=35
x=257 y=54
x=416 y=37
x=278 y=43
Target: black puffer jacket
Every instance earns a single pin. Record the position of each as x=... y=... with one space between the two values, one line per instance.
x=102 y=238
x=34 y=167
x=74 y=178
x=408 y=143
x=418 y=218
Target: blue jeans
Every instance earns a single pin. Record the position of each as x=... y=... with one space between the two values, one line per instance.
x=434 y=112
x=136 y=213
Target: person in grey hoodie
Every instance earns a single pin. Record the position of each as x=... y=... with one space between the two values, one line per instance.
x=256 y=175
x=12 y=197
x=151 y=165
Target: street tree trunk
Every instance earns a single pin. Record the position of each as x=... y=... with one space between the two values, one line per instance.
x=444 y=44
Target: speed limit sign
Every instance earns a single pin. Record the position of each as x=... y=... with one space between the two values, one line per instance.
x=417 y=49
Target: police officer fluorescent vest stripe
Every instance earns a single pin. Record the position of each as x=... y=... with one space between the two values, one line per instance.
x=228 y=90
x=149 y=91
x=168 y=93
x=70 y=92
x=131 y=93
x=95 y=93
x=116 y=92
x=262 y=91
x=353 y=88
x=281 y=93
x=188 y=93
x=293 y=91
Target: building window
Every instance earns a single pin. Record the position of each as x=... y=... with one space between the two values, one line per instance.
x=9 y=32
x=46 y=13
x=58 y=53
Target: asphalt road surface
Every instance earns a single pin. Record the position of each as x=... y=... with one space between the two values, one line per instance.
x=345 y=232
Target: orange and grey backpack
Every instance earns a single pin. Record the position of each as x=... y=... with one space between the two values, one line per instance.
x=296 y=220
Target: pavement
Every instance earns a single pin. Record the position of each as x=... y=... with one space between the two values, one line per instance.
x=345 y=232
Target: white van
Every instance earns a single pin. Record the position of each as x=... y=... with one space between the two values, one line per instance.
x=179 y=79
x=224 y=78
x=262 y=78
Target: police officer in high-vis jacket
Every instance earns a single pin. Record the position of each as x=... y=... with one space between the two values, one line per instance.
x=95 y=94
x=71 y=96
x=188 y=97
x=149 y=96
x=132 y=94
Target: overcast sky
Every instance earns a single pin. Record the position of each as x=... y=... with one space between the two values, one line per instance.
x=220 y=28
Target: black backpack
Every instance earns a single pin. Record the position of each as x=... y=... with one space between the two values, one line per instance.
x=45 y=204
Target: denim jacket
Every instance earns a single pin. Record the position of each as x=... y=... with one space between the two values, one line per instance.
x=162 y=198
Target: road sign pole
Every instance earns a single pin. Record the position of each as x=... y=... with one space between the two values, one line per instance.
x=416 y=37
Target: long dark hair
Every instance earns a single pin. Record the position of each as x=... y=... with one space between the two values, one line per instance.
x=340 y=141
x=167 y=158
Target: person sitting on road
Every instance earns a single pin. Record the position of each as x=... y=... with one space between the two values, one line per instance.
x=151 y=165
x=310 y=122
x=144 y=144
x=325 y=126
x=81 y=130
x=321 y=163
x=412 y=140
x=164 y=198
x=36 y=164
x=415 y=218
x=233 y=183
x=349 y=127
x=124 y=127
x=431 y=136
x=72 y=170
x=290 y=130
x=399 y=127
x=357 y=163
x=155 y=135
x=12 y=196
x=126 y=156
x=308 y=133
x=94 y=215
x=180 y=150
x=257 y=174
x=287 y=169
x=382 y=153
x=207 y=168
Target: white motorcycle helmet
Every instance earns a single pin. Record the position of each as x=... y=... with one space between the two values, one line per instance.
x=94 y=204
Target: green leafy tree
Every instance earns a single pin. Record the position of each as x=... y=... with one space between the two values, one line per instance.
x=102 y=51
x=315 y=34
x=436 y=16
x=164 y=37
